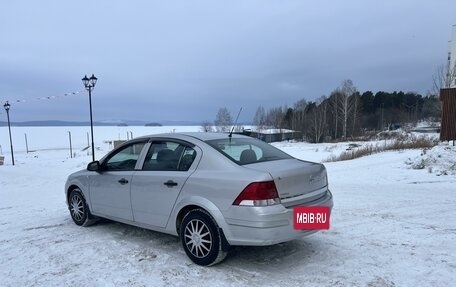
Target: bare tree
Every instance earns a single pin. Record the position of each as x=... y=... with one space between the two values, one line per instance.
x=431 y=107
x=444 y=77
x=334 y=103
x=259 y=120
x=356 y=100
x=238 y=129
x=274 y=117
x=450 y=80
x=318 y=119
x=345 y=104
x=207 y=127
x=299 y=116
x=223 y=120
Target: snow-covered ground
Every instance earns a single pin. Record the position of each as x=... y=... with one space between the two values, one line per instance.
x=392 y=224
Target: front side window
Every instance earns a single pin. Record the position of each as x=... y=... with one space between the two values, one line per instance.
x=169 y=156
x=125 y=158
x=246 y=150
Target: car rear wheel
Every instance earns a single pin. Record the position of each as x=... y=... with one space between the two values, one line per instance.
x=79 y=210
x=201 y=238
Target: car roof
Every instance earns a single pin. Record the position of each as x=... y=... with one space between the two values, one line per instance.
x=203 y=136
x=211 y=136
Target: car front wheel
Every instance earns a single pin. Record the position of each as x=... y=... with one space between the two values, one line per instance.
x=201 y=238
x=79 y=210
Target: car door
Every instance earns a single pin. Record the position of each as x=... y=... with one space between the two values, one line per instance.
x=110 y=188
x=157 y=185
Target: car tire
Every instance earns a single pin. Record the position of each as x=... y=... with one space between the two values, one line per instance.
x=201 y=238
x=79 y=210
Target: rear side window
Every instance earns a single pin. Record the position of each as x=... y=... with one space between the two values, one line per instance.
x=169 y=156
x=246 y=150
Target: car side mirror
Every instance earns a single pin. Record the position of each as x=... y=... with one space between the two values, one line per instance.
x=94 y=166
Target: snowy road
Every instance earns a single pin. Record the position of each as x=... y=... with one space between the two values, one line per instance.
x=391 y=226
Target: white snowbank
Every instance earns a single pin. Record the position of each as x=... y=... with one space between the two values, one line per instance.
x=440 y=160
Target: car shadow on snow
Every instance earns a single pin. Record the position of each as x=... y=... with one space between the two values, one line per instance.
x=283 y=254
x=135 y=234
x=287 y=254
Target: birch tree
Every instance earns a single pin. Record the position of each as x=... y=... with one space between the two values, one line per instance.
x=318 y=119
x=345 y=104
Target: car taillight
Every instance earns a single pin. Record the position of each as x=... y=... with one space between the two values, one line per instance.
x=258 y=194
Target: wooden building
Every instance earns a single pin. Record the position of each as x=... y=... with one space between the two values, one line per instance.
x=448 y=122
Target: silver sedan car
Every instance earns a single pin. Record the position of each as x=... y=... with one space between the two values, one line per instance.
x=210 y=189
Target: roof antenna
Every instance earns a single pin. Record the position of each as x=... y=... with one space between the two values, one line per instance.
x=235 y=122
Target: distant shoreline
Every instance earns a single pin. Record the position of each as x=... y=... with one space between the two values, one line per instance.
x=81 y=124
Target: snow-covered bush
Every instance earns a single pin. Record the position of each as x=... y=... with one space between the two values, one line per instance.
x=440 y=160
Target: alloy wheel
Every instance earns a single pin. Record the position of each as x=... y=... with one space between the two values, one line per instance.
x=77 y=207
x=198 y=238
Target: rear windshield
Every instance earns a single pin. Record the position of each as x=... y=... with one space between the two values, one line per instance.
x=247 y=150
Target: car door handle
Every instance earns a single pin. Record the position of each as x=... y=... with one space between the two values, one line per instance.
x=123 y=181
x=170 y=183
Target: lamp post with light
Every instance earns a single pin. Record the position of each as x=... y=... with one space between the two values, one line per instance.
x=7 y=108
x=89 y=84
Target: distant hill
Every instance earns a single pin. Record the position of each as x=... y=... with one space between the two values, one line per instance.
x=153 y=125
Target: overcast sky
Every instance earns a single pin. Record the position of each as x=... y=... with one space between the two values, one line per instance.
x=183 y=60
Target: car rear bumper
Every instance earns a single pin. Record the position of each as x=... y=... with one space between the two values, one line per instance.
x=259 y=226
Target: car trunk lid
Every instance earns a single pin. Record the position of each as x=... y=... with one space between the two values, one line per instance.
x=297 y=181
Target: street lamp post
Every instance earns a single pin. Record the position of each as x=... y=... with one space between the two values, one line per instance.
x=89 y=84
x=7 y=108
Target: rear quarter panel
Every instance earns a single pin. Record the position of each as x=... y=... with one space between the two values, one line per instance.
x=215 y=191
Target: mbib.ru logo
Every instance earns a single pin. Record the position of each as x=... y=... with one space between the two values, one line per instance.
x=311 y=217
